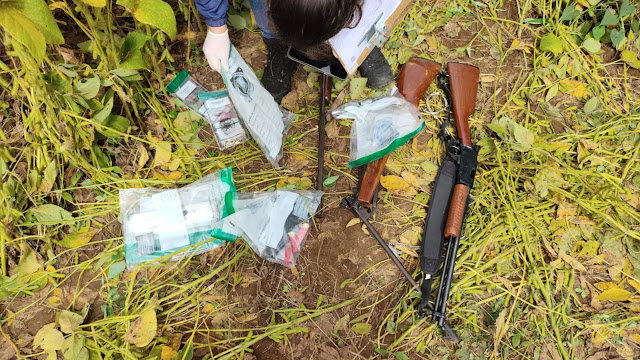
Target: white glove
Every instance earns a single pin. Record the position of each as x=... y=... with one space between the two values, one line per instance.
x=216 y=49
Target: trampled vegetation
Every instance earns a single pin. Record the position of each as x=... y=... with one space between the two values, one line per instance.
x=549 y=267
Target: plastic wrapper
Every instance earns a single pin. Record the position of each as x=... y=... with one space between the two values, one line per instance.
x=260 y=114
x=380 y=126
x=156 y=222
x=185 y=88
x=275 y=224
x=221 y=115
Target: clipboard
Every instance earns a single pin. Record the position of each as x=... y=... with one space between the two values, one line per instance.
x=379 y=18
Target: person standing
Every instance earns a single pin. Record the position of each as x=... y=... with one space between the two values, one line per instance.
x=306 y=25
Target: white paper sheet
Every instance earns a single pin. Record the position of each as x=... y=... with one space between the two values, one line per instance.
x=279 y=213
x=348 y=44
x=171 y=225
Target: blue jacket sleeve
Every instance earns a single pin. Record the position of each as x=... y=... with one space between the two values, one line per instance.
x=213 y=11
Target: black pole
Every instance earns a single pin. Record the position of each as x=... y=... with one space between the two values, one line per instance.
x=321 y=134
x=445 y=266
x=393 y=256
x=453 y=242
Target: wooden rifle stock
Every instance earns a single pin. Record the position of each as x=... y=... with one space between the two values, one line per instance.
x=463 y=82
x=416 y=76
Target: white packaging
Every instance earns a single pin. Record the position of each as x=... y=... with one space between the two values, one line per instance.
x=156 y=222
x=275 y=224
x=259 y=112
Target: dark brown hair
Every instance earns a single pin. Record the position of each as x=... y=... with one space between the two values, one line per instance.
x=304 y=23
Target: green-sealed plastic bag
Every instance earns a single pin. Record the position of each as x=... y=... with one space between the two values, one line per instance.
x=223 y=118
x=157 y=223
x=380 y=126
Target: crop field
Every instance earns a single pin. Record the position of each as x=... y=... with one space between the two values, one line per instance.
x=548 y=267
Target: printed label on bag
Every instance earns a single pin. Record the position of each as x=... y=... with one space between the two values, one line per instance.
x=186 y=89
x=171 y=225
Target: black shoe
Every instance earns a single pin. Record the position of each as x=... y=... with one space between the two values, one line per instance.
x=279 y=70
x=376 y=69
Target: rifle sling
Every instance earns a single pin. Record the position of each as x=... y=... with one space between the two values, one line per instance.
x=433 y=234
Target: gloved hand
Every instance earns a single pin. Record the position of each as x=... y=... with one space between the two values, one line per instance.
x=216 y=49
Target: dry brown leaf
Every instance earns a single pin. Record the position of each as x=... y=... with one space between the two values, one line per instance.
x=632 y=199
x=500 y=327
x=290 y=101
x=625 y=351
x=411 y=179
x=67 y=55
x=407 y=250
x=566 y=209
x=552 y=252
x=247 y=317
x=354 y=221
x=575 y=264
x=332 y=129
x=410 y=237
x=338 y=100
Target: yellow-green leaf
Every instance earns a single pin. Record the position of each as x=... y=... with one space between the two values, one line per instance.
x=48 y=338
x=356 y=86
x=144 y=155
x=361 y=328
x=630 y=58
x=168 y=177
x=394 y=183
x=574 y=88
x=50 y=213
x=69 y=321
x=143 y=330
x=635 y=285
x=552 y=43
x=30 y=261
x=601 y=335
x=156 y=13
x=78 y=238
x=615 y=294
x=95 y=3
x=38 y=12
x=163 y=153
x=23 y=30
